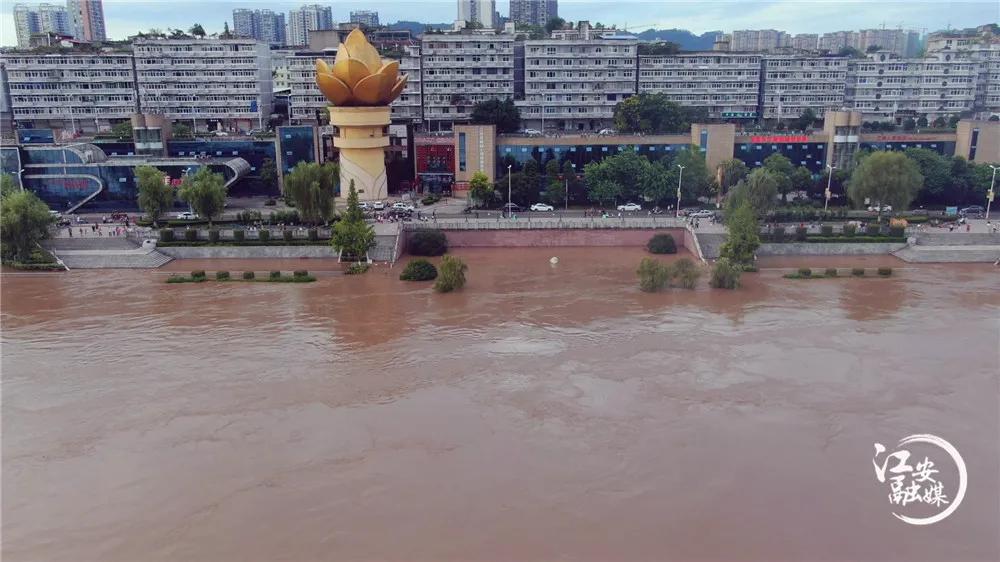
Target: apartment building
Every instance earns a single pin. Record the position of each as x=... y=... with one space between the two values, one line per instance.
x=458 y=70
x=86 y=19
x=262 y=25
x=885 y=87
x=409 y=105
x=793 y=83
x=482 y=12
x=805 y=42
x=78 y=92
x=759 y=40
x=306 y=104
x=575 y=84
x=305 y=19
x=40 y=18
x=533 y=12
x=838 y=40
x=215 y=83
x=366 y=18
x=727 y=84
x=903 y=43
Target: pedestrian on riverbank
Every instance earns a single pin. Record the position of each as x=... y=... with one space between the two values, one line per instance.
x=968 y=227
x=69 y=230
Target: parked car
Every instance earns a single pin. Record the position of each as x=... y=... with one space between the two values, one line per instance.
x=532 y=132
x=511 y=207
x=607 y=132
x=630 y=207
x=186 y=216
x=364 y=206
x=972 y=211
x=378 y=205
x=702 y=214
x=220 y=133
x=403 y=206
x=884 y=208
x=542 y=207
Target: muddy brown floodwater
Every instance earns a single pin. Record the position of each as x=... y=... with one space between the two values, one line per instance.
x=542 y=413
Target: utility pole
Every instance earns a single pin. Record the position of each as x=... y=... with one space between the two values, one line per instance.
x=829 y=177
x=989 y=194
x=677 y=212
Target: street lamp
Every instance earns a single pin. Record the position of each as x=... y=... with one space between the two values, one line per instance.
x=509 y=214
x=829 y=177
x=989 y=194
x=677 y=212
x=573 y=166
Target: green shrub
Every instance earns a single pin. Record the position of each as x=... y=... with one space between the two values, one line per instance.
x=248 y=275
x=239 y=235
x=313 y=234
x=858 y=272
x=288 y=235
x=779 y=234
x=897 y=231
x=357 y=268
x=428 y=243
x=451 y=276
x=885 y=271
x=221 y=275
x=300 y=273
x=190 y=235
x=725 y=275
x=653 y=275
x=800 y=233
x=166 y=235
x=419 y=270
x=263 y=235
x=274 y=275
x=213 y=235
x=684 y=273
x=826 y=230
x=430 y=199
x=749 y=268
x=853 y=239
x=850 y=229
x=805 y=272
x=662 y=244
x=176 y=279
x=873 y=230
x=831 y=272
x=198 y=273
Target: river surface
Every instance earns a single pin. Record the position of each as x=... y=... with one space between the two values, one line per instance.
x=542 y=413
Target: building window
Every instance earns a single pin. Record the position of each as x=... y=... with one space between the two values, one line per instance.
x=461 y=152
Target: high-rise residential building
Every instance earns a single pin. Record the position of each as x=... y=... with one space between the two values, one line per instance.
x=87 y=19
x=306 y=103
x=574 y=85
x=759 y=40
x=366 y=18
x=207 y=82
x=794 y=83
x=533 y=12
x=409 y=105
x=726 y=84
x=805 y=42
x=482 y=12
x=40 y=18
x=305 y=19
x=901 y=42
x=458 y=70
x=80 y=92
x=838 y=40
x=262 y=25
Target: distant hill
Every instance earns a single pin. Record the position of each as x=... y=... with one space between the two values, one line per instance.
x=687 y=40
x=416 y=28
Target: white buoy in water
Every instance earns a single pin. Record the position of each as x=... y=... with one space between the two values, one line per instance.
x=553 y=260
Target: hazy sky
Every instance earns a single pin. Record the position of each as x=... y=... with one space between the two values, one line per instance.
x=125 y=17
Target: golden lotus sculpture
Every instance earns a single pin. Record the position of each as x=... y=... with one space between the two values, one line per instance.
x=359 y=76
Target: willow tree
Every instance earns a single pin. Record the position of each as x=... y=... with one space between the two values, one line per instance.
x=205 y=191
x=312 y=187
x=155 y=196
x=885 y=178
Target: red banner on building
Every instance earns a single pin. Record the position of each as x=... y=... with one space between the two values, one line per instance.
x=779 y=139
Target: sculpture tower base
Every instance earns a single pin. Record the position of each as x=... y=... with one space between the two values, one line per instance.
x=362 y=149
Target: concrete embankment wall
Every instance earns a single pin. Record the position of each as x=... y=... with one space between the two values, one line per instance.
x=828 y=249
x=957 y=239
x=522 y=238
x=247 y=252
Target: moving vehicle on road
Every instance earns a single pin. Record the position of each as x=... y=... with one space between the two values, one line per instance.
x=532 y=132
x=702 y=214
x=378 y=205
x=542 y=207
x=972 y=211
x=883 y=209
x=403 y=206
x=186 y=216
x=630 y=207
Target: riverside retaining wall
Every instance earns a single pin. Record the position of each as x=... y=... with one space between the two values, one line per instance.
x=828 y=249
x=247 y=252
x=525 y=238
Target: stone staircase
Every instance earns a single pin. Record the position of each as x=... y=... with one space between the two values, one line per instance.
x=89 y=243
x=385 y=248
x=949 y=254
x=957 y=239
x=711 y=243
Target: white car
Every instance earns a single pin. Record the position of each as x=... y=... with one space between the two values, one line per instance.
x=885 y=208
x=186 y=216
x=607 y=132
x=703 y=214
x=378 y=205
x=533 y=132
x=364 y=206
x=542 y=207
x=403 y=206
x=630 y=207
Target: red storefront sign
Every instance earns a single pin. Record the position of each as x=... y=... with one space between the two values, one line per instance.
x=901 y=138
x=779 y=139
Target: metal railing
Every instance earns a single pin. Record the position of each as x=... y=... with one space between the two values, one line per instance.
x=528 y=222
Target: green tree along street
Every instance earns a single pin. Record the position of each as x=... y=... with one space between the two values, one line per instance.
x=352 y=236
x=8 y=185
x=802 y=180
x=269 y=175
x=480 y=189
x=653 y=114
x=885 y=178
x=312 y=188
x=694 y=181
x=657 y=182
x=781 y=169
x=759 y=190
x=629 y=176
x=729 y=173
x=155 y=196
x=806 y=120
x=502 y=113
x=205 y=191
x=24 y=222
x=743 y=236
